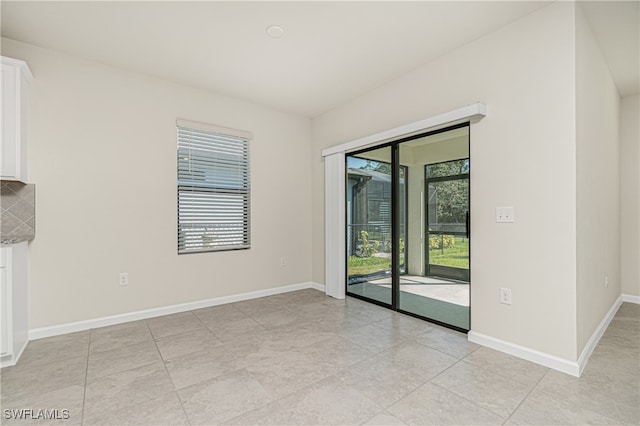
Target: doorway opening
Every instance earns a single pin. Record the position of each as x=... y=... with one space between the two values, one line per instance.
x=407 y=226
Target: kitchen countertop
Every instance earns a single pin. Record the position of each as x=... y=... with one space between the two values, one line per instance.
x=15 y=240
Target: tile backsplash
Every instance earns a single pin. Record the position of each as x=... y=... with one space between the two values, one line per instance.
x=18 y=211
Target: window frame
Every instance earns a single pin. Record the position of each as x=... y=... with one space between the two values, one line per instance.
x=213 y=186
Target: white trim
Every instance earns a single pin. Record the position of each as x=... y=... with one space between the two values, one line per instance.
x=542 y=358
x=39 y=333
x=318 y=286
x=471 y=112
x=7 y=360
x=597 y=334
x=335 y=226
x=631 y=298
x=205 y=127
x=20 y=64
x=11 y=359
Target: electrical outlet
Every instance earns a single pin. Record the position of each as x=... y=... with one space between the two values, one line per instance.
x=124 y=278
x=283 y=261
x=505 y=296
x=606 y=280
x=505 y=215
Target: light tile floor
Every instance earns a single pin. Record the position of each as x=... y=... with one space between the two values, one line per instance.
x=302 y=358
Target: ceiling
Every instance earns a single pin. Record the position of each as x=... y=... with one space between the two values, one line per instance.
x=330 y=52
x=616 y=27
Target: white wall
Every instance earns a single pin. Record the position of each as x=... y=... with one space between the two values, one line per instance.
x=597 y=167
x=630 y=194
x=523 y=155
x=102 y=153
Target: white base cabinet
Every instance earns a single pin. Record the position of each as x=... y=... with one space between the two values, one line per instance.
x=14 y=325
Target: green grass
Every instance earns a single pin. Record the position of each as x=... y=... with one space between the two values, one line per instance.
x=456 y=256
x=367 y=265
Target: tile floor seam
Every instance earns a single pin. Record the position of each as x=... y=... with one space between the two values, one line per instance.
x=86 y=376
x=445 y=370
x=230 y=421
x=382 y=408
x=577 y=406
x=224 y=341
x=309 y=385
x=164 y=365
x=276 y=400
x=130 y=368
x=370 y=355
x=504 y=376
x=294 y=391
x=47 y=363
x=440 y=350
x=333 y=335
x=526 y=396
x=193 y=311
x=435 y=384
x=470 y=401
x=407 y=394
x=205 y=325
x=490 y=372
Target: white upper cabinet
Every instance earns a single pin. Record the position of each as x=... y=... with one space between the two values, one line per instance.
x=13 y=155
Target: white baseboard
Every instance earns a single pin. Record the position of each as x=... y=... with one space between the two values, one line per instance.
x=39 y=333
x=9 y=360
x=597 y=334
x=318 y=286
x=523 y=352
x=631 y=299
x=573 y=368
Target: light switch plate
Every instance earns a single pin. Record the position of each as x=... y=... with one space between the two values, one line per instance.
x=505 y=215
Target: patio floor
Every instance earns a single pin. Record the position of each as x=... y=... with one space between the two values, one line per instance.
x=437 y=299
x=434 y=288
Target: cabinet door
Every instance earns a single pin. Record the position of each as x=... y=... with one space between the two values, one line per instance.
x=9 y=156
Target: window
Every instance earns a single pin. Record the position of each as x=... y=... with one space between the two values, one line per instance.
x=214 y=197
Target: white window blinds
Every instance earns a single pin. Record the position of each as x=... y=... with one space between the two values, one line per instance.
x=214 y=198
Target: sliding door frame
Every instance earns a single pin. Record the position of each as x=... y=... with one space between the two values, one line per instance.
x=395 y=227
x=395 y=222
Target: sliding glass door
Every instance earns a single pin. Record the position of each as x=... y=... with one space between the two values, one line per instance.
x=369 y=206
x=408 y=226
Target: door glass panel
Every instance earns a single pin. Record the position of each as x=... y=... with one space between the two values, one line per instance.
x=434 y=282
x=447 y=168
x=449 y=250
x=448 y=204
x=447 y=220
x=368 y=193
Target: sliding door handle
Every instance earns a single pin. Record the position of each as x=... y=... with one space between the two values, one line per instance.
x=468 y=222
